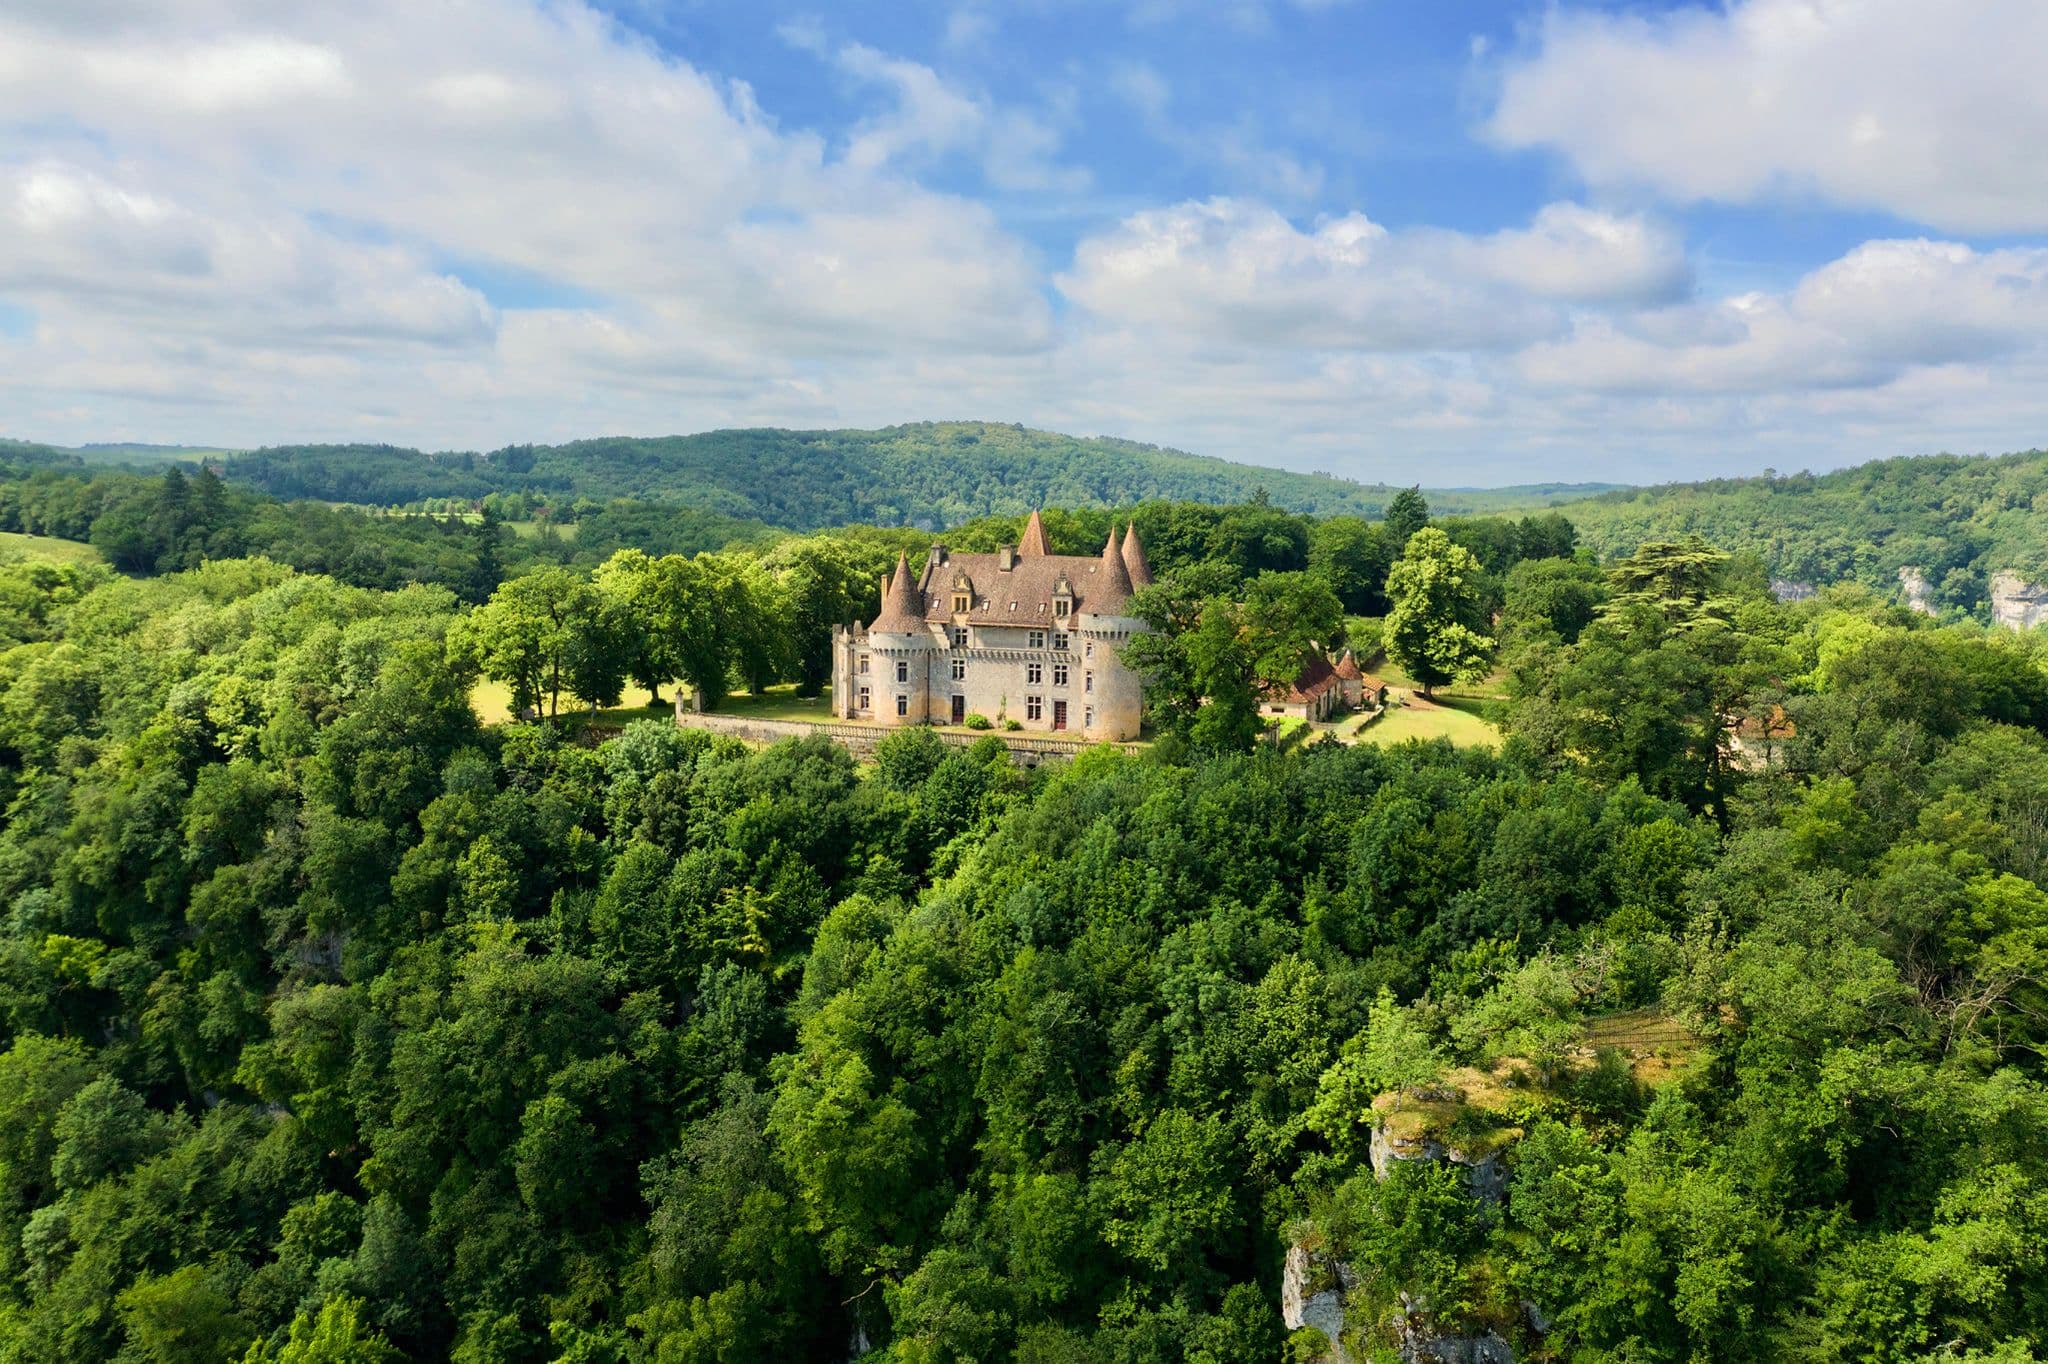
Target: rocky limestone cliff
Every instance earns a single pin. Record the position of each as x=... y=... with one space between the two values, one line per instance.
x=1312 y=1289
x=1918 y=592
x=1418 y=1345
x=1787 y=589
x=1484 y=1174
x=2016 y=603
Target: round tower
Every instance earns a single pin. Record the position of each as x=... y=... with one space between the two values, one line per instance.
x=902 y=647
x=1112 y=693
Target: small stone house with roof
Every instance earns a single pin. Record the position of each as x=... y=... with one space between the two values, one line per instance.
x=1323 y=688
x=1021 y=634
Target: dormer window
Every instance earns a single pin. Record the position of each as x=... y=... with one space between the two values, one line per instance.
x=1062 y=606
x=962 y=603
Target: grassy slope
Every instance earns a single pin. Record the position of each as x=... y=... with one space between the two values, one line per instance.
x=16 y=546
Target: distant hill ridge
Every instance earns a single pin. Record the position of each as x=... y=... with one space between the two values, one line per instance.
x=928 y=474
x=1960 y=519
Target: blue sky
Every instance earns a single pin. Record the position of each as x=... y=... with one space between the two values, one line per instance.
x=1459 y=241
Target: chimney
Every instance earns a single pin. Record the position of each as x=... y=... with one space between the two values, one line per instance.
x=1006 y=558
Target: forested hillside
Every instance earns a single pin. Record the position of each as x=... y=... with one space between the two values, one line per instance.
x=340 y=1027
x=929 y=474
x=1959 y=519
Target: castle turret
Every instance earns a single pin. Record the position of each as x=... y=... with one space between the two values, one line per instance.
x=1135 y=562
x=901 y=644
x=1113 y=696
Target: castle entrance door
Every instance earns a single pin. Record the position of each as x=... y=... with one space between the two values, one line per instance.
x=1059 y=715
x=959 y=710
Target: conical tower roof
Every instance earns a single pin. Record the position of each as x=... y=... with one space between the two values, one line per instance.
x=902 y=607
x=1108 y=596
x=1347 y=668
x=1034 y=541
x=1135 y=562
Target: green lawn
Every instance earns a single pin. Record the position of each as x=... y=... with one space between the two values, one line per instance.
x=15 y=546
x=492 y=702
x=1456 y=719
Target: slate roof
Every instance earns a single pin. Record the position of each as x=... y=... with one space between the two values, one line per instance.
x=902 y=607
x=1135 y=562
x=1034 y=542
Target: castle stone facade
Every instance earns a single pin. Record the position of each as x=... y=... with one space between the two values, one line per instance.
x=1022 y=634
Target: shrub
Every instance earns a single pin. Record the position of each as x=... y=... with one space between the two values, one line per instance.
x=976 y=720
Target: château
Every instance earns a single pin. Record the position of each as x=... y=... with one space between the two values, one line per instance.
x=1021 y=635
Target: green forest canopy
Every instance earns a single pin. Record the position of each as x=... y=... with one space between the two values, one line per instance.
x=928 y=474
x=337 y=1027
x=1960 y=519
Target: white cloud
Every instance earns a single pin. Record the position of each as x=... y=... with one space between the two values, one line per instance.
x=1238 y=273
x=265 y=220
x=1934 y=112
x=1862 y=321
x=933 y=119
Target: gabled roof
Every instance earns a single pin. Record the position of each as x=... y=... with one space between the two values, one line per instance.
x=1315 y=678
x=902 y=605
x=1034 y=542
x=1135 y=562
x=1024 y=594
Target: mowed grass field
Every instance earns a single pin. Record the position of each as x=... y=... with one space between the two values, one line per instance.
x=492 y=702
x=16 y=546
x=1459 y=712
x=1458 y=721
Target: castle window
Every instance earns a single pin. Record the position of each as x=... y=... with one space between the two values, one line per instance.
x=959 y=669
x=902 y=671
x=962 y=603
x=1088 y=681
x=1059 y=674
x=1034 y=673
x=1088 y=718
x=959 y=636
x=1089 y=648
x=903 y=705
x=863 y=664
x=864 y=699
x=1038 y=639
x=1034 y=708
x=1061 y=607
x=1059 y=641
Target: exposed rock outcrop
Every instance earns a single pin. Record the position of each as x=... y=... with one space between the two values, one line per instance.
x=1419 y=1345
x=2016 y=603
x=1918 y=592
x=1786 y=589
x=1484 y=1174
x=1312 y=1289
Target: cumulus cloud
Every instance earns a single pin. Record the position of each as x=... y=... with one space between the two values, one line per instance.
x=257 y=220
x=307 y=161
x=1237 y=272
x=1934 y=112
x=1863 y=320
